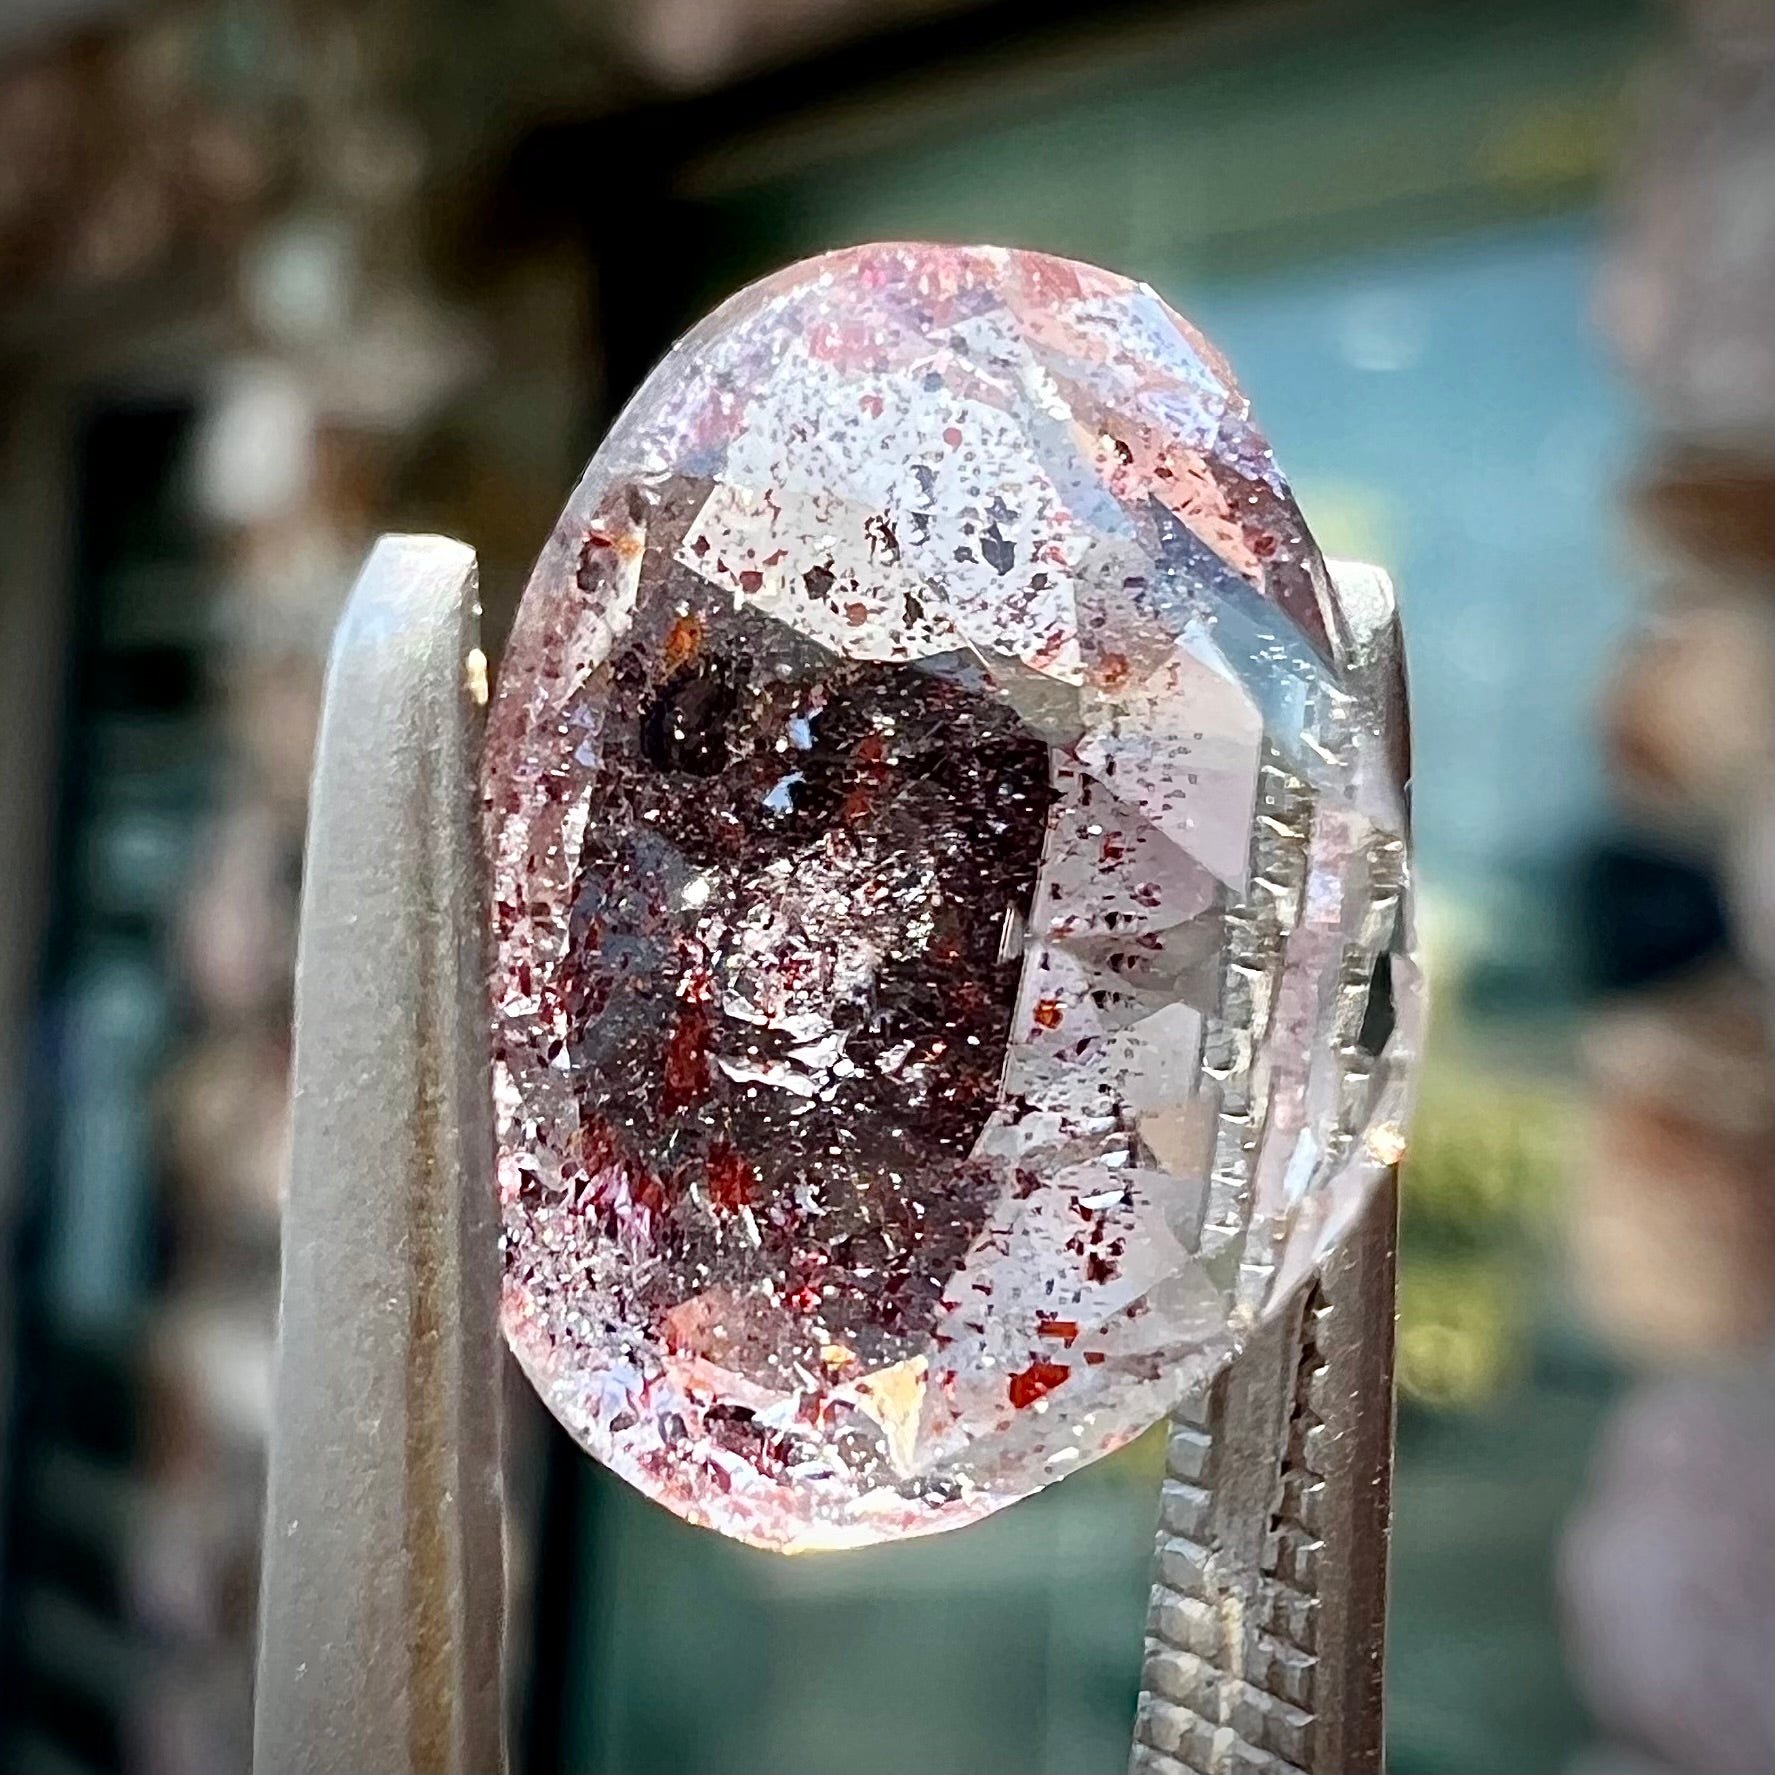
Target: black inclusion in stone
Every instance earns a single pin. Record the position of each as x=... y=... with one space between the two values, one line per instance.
x=684 y=725
x=1379 y=1014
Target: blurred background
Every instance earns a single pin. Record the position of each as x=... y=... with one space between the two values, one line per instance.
x=278 y=274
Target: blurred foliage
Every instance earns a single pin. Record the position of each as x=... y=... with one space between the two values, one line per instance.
x=1480 y=1193
x=1459 y=1334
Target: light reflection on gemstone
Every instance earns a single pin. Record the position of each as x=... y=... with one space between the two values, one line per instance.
x=944 y=844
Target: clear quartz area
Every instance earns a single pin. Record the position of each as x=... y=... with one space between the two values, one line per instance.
x=949 y=900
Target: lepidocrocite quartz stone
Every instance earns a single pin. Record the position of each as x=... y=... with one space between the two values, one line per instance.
x=949 y=899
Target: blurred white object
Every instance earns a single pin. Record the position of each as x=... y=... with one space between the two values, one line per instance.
x=299 y=280
x=256 y=445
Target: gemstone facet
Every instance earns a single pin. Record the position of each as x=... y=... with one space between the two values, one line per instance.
x=950 y=910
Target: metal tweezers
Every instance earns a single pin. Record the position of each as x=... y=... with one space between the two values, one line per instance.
x=383 y=1590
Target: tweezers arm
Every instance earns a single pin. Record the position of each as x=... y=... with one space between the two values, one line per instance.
x=382 y=1594
x=1266 y=1630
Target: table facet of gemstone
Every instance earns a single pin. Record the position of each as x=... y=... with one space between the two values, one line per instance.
x=949 y=900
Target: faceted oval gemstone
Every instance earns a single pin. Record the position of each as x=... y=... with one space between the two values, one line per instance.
x=948 y=896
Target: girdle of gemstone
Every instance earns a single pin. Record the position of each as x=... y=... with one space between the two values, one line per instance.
x=942 y=848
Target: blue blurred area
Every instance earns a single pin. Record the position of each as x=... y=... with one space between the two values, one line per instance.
x=1445 y=409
